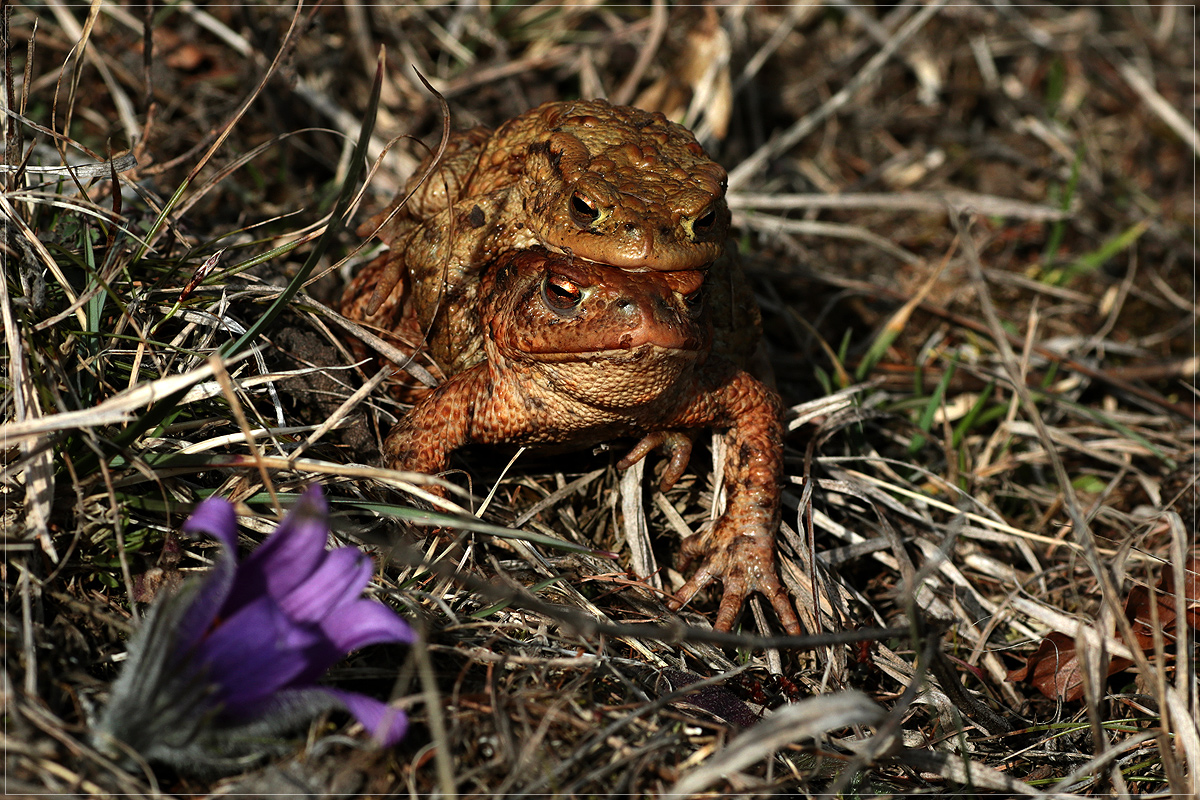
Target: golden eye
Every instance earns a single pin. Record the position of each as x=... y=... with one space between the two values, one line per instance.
x=583 y=210
x=560 y=293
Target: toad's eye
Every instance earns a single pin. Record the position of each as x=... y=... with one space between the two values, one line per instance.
x=561 y=294
x=583 y=210
x=694 y=302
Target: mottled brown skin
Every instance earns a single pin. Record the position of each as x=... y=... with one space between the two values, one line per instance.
x=610 y=184
x=576 y=353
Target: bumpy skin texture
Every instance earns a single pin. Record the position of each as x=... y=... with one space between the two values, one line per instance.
x=575 y=353
x=610 y=184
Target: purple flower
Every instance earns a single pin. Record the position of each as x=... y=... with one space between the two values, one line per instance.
x=233 y=660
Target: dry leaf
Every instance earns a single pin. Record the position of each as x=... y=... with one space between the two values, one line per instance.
x=1054 y=667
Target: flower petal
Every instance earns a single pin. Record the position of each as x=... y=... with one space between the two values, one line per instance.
x=353 y=626
x=215 y=517
x=365 y=622
x=257 y=651
x=288 y=556
x=387 y=724
x=338 y=580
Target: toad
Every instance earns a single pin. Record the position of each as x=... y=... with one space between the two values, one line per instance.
x=574 y=353
x=609 y=184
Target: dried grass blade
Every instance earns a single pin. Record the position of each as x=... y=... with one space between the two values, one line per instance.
x=81 y=36
x=646 y=53
x=1186 y=729
x=956 y=768
x=39 y=476
x=1156 y=102
x=466 y=523
x=115 y=410
x=834 y=230
x=806 y=125
x=96 y=169
x=345 y=200
x=950 y=201
x=633 y=524
x=807 y=719
x=160 y=223
x=1072 y=626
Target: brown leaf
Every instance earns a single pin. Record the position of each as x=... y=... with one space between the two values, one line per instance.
x=1191 y=589
x=716 y=700
x=1054 y=668
x=1137 y=611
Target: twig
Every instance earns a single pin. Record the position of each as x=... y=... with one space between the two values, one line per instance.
x=952 y=201
x=1082 y=529
x=806 y=125
x=1158 y=104
x=1113 y=379
x=658 y=29
x=836 y=230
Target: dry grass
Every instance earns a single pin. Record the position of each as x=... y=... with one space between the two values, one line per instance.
x=976 y=222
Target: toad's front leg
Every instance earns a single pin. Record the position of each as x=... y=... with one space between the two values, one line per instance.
x=740 y=549
x=438 y=425
x=478 y=406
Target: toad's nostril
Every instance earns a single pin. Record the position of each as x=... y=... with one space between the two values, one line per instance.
x=702 y=225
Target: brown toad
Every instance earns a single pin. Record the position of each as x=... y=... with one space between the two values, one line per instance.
x=576 y=353
x=610 y=184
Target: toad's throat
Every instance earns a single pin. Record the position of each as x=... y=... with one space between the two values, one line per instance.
x=640 y=352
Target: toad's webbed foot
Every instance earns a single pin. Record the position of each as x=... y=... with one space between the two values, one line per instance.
x=744 y=562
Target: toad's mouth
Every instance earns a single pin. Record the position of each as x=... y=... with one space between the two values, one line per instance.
x=646 y=351
x=633 y=257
